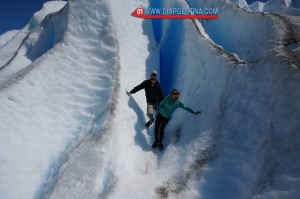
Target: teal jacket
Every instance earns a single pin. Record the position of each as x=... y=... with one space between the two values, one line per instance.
x=167 y=107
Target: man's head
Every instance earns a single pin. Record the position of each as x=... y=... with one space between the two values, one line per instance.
x=153 y=75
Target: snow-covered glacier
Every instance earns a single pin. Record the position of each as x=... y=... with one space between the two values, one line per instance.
x=68 y=129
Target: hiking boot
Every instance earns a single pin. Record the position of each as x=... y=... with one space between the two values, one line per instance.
x=155 y=144
x=160 y=146
x=148 y=124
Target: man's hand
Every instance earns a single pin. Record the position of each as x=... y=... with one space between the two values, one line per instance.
x=127 y=93
x=196 y=112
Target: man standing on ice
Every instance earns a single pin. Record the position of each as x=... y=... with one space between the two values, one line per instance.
x=154 y=95
x=164 y=112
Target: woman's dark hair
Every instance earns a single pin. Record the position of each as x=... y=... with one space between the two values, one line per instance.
x=175 y=90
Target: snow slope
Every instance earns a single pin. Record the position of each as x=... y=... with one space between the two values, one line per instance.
x=5 y=37
x=68 y=130
x=50 y=105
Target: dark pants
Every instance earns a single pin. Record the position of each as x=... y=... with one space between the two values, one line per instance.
x=160 y=124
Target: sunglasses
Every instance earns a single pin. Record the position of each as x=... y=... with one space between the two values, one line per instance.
x=175 y=93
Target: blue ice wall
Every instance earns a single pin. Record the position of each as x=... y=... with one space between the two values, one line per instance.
x=156 y=23
x=169 y=33
x=171 y=46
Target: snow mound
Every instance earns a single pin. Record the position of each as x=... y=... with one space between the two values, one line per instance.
x=44 y=30
x=7 y=36
x=57 y=88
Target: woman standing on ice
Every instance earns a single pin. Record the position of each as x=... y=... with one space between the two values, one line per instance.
x=164 y=113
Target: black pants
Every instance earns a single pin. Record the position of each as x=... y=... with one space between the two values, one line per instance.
x=160 y=124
